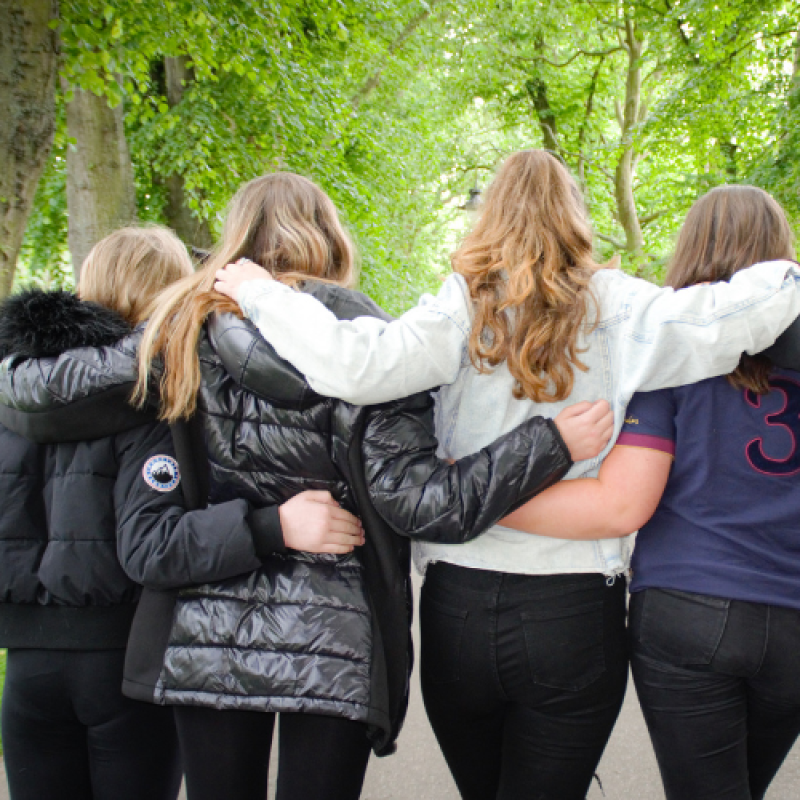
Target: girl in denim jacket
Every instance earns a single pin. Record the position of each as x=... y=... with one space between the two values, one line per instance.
x=523 y=637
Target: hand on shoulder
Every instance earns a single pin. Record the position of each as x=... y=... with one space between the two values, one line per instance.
x=230 y=279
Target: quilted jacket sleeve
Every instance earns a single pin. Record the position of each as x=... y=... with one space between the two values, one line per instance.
x=163 y=546
x=81 y=394
x=424 y=497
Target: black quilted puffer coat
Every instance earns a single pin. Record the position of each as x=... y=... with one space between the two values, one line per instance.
x=80 y=526
x=305 y=632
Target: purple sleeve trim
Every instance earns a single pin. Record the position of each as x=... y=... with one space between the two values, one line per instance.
x=650 y=442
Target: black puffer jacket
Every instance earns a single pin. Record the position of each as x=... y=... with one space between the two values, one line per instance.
x=317 y=633
x=81 y=526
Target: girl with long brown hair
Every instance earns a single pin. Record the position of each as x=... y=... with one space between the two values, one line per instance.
x=709 y=474
x=319 y=637
x=523 y=638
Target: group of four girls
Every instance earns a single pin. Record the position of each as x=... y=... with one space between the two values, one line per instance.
x=269 y=523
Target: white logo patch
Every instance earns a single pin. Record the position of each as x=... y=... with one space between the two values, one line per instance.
x=161 y=473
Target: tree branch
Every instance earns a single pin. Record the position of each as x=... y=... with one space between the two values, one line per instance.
x=374 y=80
x=611 y=240
x=578 y=53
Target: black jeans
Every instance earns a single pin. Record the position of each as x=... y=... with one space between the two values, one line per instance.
x=719 y=684
x=226 y=754
x=69 y=734
x=523 y=678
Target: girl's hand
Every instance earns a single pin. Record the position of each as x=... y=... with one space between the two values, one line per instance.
x=313 y=522
x=586 y=428
x=234 y=275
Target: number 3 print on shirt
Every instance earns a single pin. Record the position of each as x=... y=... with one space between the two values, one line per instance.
x=787 y=418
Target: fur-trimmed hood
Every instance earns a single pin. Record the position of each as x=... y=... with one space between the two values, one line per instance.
x=68 y=369
x=40 y=324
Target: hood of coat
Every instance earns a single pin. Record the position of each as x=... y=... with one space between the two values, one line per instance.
x=40 y=324
x=68 y=368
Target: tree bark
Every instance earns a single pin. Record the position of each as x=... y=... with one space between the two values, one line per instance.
x=625 y=171
x=100 y=191
x=190 y=228
x=28 y=67
x=537 y=91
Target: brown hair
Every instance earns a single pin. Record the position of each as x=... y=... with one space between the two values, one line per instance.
x=126 y=270
x=528 y=264
x=728 y=229
x=283 y=222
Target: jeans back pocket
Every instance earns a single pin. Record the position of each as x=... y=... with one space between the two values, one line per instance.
x=679 y=628
x=564 y=643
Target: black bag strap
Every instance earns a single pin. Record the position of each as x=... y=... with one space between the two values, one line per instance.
x=192 y=456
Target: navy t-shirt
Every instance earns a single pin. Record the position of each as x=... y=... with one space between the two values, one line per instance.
x=728 y=524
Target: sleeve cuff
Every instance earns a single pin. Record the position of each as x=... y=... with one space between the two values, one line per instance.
x=560 y=441
x=265 y=527
x=250 y=291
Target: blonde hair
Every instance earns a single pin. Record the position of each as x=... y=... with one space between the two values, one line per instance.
x=728 y=229
x=126 y=270
x=528 y=264
x=283 y=222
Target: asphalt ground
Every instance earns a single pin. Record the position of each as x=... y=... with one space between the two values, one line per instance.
x=627 y=771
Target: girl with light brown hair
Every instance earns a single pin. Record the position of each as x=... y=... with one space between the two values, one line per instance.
x=319 y=636
x=524 y=660
x=708 y=472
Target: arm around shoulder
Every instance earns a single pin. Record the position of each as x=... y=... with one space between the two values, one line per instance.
x=366 y=360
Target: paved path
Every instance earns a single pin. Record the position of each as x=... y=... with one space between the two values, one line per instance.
x=628 y=770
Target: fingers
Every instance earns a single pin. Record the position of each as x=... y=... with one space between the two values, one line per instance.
x=318 y=496
x=575 y=410
x=597 y=411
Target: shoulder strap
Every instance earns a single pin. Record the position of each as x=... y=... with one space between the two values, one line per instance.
x=190 y=450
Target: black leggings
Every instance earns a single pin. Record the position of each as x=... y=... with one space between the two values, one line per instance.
x=68 y=732
x=226 y=755
x=522 y=677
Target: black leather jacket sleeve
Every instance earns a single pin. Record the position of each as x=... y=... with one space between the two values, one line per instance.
x=80 y=394
x=159 y=543
x=424 y=497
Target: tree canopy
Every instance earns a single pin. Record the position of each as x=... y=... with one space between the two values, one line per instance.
x=397 y=108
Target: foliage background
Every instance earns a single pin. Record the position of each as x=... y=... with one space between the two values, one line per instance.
x=398 y=107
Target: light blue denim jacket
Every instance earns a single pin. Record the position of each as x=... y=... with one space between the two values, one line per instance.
x=645 y=338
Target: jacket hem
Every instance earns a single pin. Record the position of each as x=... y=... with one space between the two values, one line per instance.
x=65 y=627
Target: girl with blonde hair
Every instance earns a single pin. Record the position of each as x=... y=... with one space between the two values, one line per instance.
x=524 y=661
x=69 y=565
x=318 y=635
x=709 y=474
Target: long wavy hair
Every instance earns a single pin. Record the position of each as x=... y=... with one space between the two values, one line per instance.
x=728 y=229
x=283 y=222
x=528 y=264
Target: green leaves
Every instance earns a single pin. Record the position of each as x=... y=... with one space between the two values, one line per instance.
x=398 y=107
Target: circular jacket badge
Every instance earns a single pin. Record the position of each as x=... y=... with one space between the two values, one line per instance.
x=161 y=473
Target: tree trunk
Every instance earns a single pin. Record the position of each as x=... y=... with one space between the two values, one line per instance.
x=28 y=66
x=190 y=228
x=629 y=118
x=100 y=190
x=537 y=91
